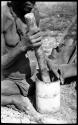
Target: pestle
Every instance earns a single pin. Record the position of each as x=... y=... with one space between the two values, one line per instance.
x=31 y=23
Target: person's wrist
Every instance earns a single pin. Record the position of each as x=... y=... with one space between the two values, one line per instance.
x=22 y=48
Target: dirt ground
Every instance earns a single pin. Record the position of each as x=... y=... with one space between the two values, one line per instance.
x=67 y=113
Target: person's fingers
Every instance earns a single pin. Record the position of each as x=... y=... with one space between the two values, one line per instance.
x=37 y=44
x=36 y=40
x=35 y=36
x=34 y=31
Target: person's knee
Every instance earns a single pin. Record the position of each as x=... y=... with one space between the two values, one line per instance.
x=8 y=87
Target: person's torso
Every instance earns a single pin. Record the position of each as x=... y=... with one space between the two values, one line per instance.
x=21 y=66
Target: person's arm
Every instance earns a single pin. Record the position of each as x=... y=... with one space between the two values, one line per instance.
x=8 y=57
x=66 y=70
x=31 y=40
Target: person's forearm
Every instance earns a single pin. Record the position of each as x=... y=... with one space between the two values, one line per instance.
x=68 y=70
x=9 y=58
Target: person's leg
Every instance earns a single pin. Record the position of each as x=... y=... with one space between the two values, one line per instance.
x=24 y=104
x=9 y=87
x=10 y=94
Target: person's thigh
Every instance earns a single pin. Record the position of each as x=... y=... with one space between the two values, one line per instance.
x=9 y=87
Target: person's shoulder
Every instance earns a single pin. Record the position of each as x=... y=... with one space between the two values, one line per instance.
x=6 y=17
x=4 y=11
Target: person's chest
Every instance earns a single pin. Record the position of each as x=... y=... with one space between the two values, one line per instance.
x=11 y=35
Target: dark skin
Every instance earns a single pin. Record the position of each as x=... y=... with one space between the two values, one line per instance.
x=13 y=96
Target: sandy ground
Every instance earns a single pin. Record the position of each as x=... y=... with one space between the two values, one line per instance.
x=67 y=113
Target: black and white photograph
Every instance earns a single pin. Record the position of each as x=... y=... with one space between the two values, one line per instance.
x=39 y=62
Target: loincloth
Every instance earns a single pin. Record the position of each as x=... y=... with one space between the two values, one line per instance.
x=26 y=88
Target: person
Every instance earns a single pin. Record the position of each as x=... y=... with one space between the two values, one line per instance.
x=16 y=67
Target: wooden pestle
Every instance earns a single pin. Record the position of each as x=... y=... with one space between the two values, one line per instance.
x=31 y=22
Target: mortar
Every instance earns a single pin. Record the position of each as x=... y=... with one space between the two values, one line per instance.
x=47 y=96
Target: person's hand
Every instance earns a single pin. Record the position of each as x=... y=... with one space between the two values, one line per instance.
x=31 y=40
x=24 y=44
x=35 y=37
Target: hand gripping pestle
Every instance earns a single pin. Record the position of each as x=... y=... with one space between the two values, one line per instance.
x=31 y=23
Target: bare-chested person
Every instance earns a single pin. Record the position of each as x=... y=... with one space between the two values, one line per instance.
x=15 y=66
